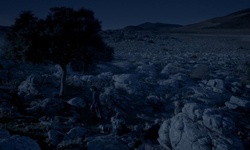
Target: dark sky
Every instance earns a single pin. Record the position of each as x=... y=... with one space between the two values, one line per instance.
x=120 y=13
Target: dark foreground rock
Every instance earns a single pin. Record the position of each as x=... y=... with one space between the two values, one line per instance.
x=18 y=143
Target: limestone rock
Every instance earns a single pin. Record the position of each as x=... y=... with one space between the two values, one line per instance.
x=200 y=72
x=198 y=127
x=19 y=143
x=238 y=103
x=54 y=137
x=77 y=102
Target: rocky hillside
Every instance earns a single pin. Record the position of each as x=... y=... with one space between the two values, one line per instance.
x=236 y=20
x=162 y=91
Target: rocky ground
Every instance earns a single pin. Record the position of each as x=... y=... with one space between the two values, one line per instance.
x=162 y=91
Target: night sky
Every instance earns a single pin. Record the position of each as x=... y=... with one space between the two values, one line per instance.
x=120 y=13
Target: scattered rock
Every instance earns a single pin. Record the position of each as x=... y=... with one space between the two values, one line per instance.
x=200 y=72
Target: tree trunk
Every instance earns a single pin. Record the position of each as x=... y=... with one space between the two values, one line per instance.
x=63 y=81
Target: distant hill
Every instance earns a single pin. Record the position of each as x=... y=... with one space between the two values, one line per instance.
x=236 y=20
x=153 y=26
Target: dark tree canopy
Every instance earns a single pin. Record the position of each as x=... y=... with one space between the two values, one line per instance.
x=66 y=36
x=25 y=42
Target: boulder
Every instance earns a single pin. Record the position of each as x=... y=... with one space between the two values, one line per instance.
x=105 y=76
x=217 y=85
x=200 y=72
x=233 y=85
x=237 y=103
x=19 y=143
x=193 y=110
x=146 y=70
x=47 y=107
x=204 y=95
x=164 y=136
x=198 y=127
x=77 y=102
x=171 y=68
x=55 y=137
x=76 y=132
x=127 y=82
x=42 y=85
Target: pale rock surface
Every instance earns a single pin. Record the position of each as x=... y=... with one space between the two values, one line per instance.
x=127 y=82
x=77 y=102
x=39 y=85
x=238 y=103
x=198 y=127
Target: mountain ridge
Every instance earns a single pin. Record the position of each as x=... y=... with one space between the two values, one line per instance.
x=153 y=26
x=236 y=20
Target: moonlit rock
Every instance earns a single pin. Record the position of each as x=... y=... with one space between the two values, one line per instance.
x=200 y=72
x=77 y=102
x=19 y=143
x=238 y=103
x=54 y=137
x=198 y=127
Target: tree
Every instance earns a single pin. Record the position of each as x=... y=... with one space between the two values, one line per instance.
x=25 y=42
x=64 y=37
